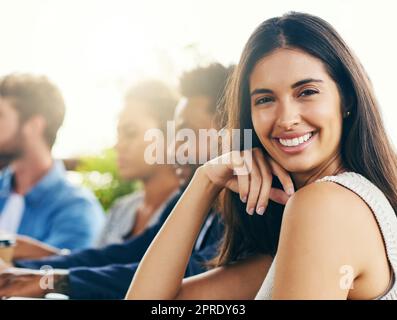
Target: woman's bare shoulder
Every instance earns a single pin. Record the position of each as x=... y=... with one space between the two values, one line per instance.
x=330 y=200
x=325 y=227
x=334 y=217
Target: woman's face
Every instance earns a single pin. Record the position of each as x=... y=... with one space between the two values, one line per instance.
x=132 y=126
x=296 y=110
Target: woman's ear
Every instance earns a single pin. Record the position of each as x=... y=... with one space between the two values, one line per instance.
x=346 y=114
x=348 y=106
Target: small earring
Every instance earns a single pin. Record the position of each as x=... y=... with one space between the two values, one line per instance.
x=347 y=114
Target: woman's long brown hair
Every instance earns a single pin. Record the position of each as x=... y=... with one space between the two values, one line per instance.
x=365 y=147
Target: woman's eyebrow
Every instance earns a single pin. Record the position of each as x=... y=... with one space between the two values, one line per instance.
x=304 y=81
x=260 y=91
x=293 y=86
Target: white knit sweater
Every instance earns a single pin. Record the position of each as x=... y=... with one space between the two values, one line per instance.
x=384 y=214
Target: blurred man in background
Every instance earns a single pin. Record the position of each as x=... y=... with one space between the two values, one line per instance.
x=36 y=200
x=202 y=91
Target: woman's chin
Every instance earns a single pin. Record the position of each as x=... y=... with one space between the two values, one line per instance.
x=297 y=166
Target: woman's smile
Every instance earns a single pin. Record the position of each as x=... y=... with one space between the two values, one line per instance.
x=297 y=144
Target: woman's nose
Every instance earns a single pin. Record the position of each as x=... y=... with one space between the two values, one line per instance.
x=288 y=115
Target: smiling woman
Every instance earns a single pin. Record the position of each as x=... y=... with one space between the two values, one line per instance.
x=296 y=80
x=303 y=103
x=311 y=108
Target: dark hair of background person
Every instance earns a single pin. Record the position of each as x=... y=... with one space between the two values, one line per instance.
x=160 y=100
x=35 y=95
x=209 y=81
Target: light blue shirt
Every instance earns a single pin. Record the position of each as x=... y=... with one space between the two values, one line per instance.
x=56 y=212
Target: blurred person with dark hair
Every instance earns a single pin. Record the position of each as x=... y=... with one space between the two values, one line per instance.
x=36 y=200
x=148 y=105
x=106 y=273
x=203 y=90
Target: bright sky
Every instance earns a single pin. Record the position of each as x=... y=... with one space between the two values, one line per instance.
x=93 y=49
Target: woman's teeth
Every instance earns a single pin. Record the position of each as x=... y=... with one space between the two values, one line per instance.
x=296 y=141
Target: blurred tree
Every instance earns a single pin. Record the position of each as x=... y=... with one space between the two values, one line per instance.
x=99 y=173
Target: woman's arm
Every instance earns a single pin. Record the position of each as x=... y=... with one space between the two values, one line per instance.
x=239 y=281
x=162 y=269
x=160 y=273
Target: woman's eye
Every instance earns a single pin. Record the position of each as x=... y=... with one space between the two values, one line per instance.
x=307 y=92
x=264 y=100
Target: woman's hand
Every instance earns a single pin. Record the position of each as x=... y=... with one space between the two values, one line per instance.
x=250 y=174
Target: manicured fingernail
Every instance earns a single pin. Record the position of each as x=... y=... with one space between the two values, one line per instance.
x=290 y=191
x=250 y=211
x=260 y=210
x=244 y=199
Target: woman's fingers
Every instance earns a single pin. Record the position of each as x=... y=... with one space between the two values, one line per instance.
x=255 y=181
x=282 y=175
x=241 y=172
x=278 y=195
x=263 y=198
x=253 y=174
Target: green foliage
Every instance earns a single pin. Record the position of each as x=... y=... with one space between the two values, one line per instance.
x=99 y=173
